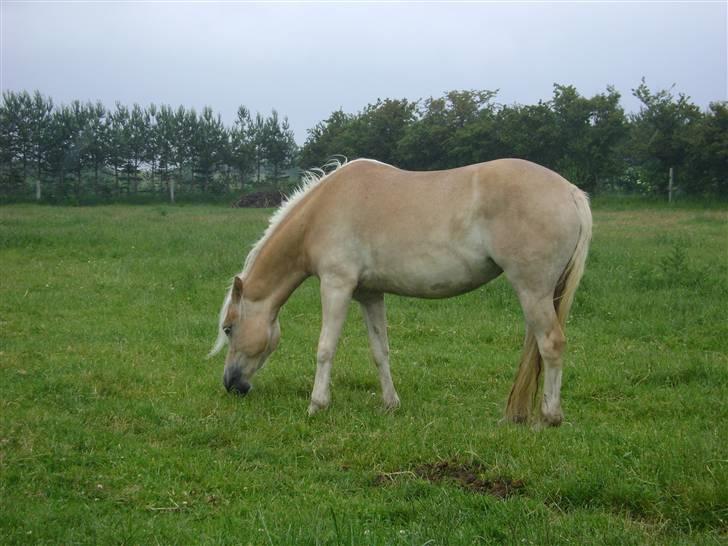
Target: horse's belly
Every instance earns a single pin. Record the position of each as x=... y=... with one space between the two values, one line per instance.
x=429 y=272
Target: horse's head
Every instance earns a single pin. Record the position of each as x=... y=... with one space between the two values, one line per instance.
x=252 y=334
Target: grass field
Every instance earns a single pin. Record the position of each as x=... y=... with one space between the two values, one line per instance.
x=115 y=429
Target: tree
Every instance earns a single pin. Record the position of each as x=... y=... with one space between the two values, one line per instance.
x=377 y=130
x=521 y=131
x=607 y=136
x=167 y=145
x=279 y=146
x=326 y=139
x=16 y=139
x=257 y=138
x=186 y=128
x=119 y=142
x=61 y=153
x=210 y=141
x=97 y=130
x=152 y=145
x=707 y=152
x=137 y=151
x=660 y=134
x=444 y=134
x=40 y=119
x=242 y=144
x=75 y=121
x=589 y=132
x=374 y=132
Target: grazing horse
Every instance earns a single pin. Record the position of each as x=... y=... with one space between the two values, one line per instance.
x=367 y=228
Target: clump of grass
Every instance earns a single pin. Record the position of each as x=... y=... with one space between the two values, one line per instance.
x=675 y=269
x=675 y=264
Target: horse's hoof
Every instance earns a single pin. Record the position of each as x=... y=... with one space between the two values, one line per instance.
x=515 y=420
x=552 y=420
x=314 y=407
x=392 y=404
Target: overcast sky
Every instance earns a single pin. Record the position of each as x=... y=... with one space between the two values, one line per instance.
x=308 y=59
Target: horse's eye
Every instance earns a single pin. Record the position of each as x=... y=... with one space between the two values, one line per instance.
x=227 y=330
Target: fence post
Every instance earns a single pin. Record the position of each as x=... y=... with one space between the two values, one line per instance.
x=669 y=185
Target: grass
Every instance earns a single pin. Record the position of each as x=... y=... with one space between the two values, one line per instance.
x=115 y=429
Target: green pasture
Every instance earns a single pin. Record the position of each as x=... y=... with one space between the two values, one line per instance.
x=116 y=429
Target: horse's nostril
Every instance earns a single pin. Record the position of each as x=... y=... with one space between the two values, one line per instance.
x=240 y=387
x=234 y=382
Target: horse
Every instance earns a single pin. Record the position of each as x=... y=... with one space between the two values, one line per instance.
x=366 y=228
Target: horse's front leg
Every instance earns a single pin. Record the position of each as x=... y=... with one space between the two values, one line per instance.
x=375 y=317
x=335 y=298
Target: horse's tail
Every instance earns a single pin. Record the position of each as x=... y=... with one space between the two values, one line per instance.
x=525 y=387
x=570 y=278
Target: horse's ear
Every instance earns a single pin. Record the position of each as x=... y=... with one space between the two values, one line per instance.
x=237 y=289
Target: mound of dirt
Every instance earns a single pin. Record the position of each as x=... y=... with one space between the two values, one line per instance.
x=259 y=199
x=470 y=477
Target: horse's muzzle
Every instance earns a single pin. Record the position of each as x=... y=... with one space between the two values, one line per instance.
x=234 y=382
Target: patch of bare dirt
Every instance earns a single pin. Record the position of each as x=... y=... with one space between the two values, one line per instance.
x=471 y=477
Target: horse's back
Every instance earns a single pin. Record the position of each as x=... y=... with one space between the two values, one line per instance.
x=495 y=184
x=511 y=193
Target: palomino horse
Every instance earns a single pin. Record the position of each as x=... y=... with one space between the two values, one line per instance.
x=367 y=228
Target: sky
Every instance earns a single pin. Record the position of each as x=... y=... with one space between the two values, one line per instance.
x=307 y=59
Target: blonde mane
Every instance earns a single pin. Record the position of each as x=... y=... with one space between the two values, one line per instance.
x=309 y=180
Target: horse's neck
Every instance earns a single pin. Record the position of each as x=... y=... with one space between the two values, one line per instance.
x=279 y=267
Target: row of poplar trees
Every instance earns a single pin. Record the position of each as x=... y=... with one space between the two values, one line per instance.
x=84 y=150
x=591 y=141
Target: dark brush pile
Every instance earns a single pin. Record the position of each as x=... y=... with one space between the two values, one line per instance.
x=260 y=200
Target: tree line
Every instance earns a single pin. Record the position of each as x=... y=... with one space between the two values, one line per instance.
x=82 y=149
x=591 y=141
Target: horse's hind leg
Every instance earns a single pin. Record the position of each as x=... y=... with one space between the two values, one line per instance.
x=375 y=318
x=542 y=321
